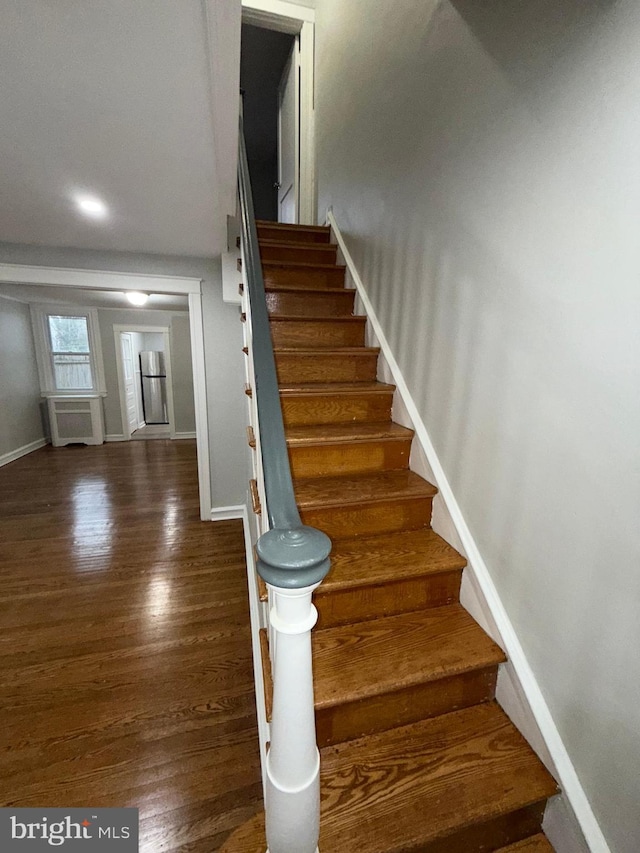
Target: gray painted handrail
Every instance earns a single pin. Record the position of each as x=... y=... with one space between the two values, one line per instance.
x=291 y=555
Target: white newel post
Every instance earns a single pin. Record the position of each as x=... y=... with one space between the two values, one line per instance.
x=292 y=796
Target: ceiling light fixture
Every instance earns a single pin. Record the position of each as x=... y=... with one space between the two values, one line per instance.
x=91 y=206
x=135 y=297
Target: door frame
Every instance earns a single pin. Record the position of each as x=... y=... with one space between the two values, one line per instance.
x=140 y=327
x=137 y=397
x=285 y=17
x=120 y=281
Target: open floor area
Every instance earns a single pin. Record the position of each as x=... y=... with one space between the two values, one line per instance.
x=125 y=664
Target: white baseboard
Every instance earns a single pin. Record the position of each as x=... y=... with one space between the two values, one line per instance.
x=518 y=687
x=224 y=513
x=116 y=437
x=12 y=455
x=181 y=435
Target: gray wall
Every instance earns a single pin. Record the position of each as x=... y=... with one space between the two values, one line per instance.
x=482 y=160
x=182 y=373
x=223 y=349
x=20 y=419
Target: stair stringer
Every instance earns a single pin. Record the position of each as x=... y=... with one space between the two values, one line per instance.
x=569 y=819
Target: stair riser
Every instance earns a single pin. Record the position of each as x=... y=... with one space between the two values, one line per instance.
x=309 y=409
x=387 y=516
x=488 y=835
x=336 y=304
x=363 y=457
x=532 y=844
x=292 y=235
x=371 y=602
x=326 y=368
x=318 y=333
x=296 y=277
x=419 y=702
x=298 y=254
x=481 y=837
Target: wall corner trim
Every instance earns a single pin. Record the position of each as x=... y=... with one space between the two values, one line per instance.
x=565 y=770
x=224 y=513
x=12 y=455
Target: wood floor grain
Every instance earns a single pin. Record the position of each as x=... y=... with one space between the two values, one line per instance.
x=125 y=652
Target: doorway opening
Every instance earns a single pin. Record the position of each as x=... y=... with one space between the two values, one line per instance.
x=143 y=360
x=277 y=79
x=104 y=291
x=264 y=58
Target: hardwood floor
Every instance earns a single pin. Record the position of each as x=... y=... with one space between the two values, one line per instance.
x=125 y=657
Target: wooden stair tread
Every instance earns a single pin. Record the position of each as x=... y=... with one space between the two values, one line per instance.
x=535 y=844
x=353 y=352
x=373 y=560
x=303 y=318
x=362 y=488
x=301 y=266
x=297 y=244
x=305 y=291
x=314 y=289
x=350 y=432
x=406 y=789
x=322 y=388
x=352 y=662
x=302 y=248
x=285 y=226
x=421 y=780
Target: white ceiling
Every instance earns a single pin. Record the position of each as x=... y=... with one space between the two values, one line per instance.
x=51 y=294
x=135 y=102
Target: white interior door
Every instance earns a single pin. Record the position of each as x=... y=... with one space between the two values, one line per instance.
x=129 y=376
x=289 y=138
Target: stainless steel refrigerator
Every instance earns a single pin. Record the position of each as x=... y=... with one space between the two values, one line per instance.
x=154 y=387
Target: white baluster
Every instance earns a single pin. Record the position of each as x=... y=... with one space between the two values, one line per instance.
x=292 y=796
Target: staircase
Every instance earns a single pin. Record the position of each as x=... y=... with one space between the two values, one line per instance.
x=416 y=754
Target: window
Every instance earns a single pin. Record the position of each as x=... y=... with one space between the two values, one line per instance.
x=70 y=353
x=68 y=350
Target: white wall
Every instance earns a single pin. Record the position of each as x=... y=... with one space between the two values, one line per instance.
x=223 y=348
x=227 y=408
x=20 y=410
x=138 y=344
x=482 y=161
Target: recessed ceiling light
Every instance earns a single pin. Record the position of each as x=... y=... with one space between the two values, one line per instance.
x=91 y=206
x=137 y=298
